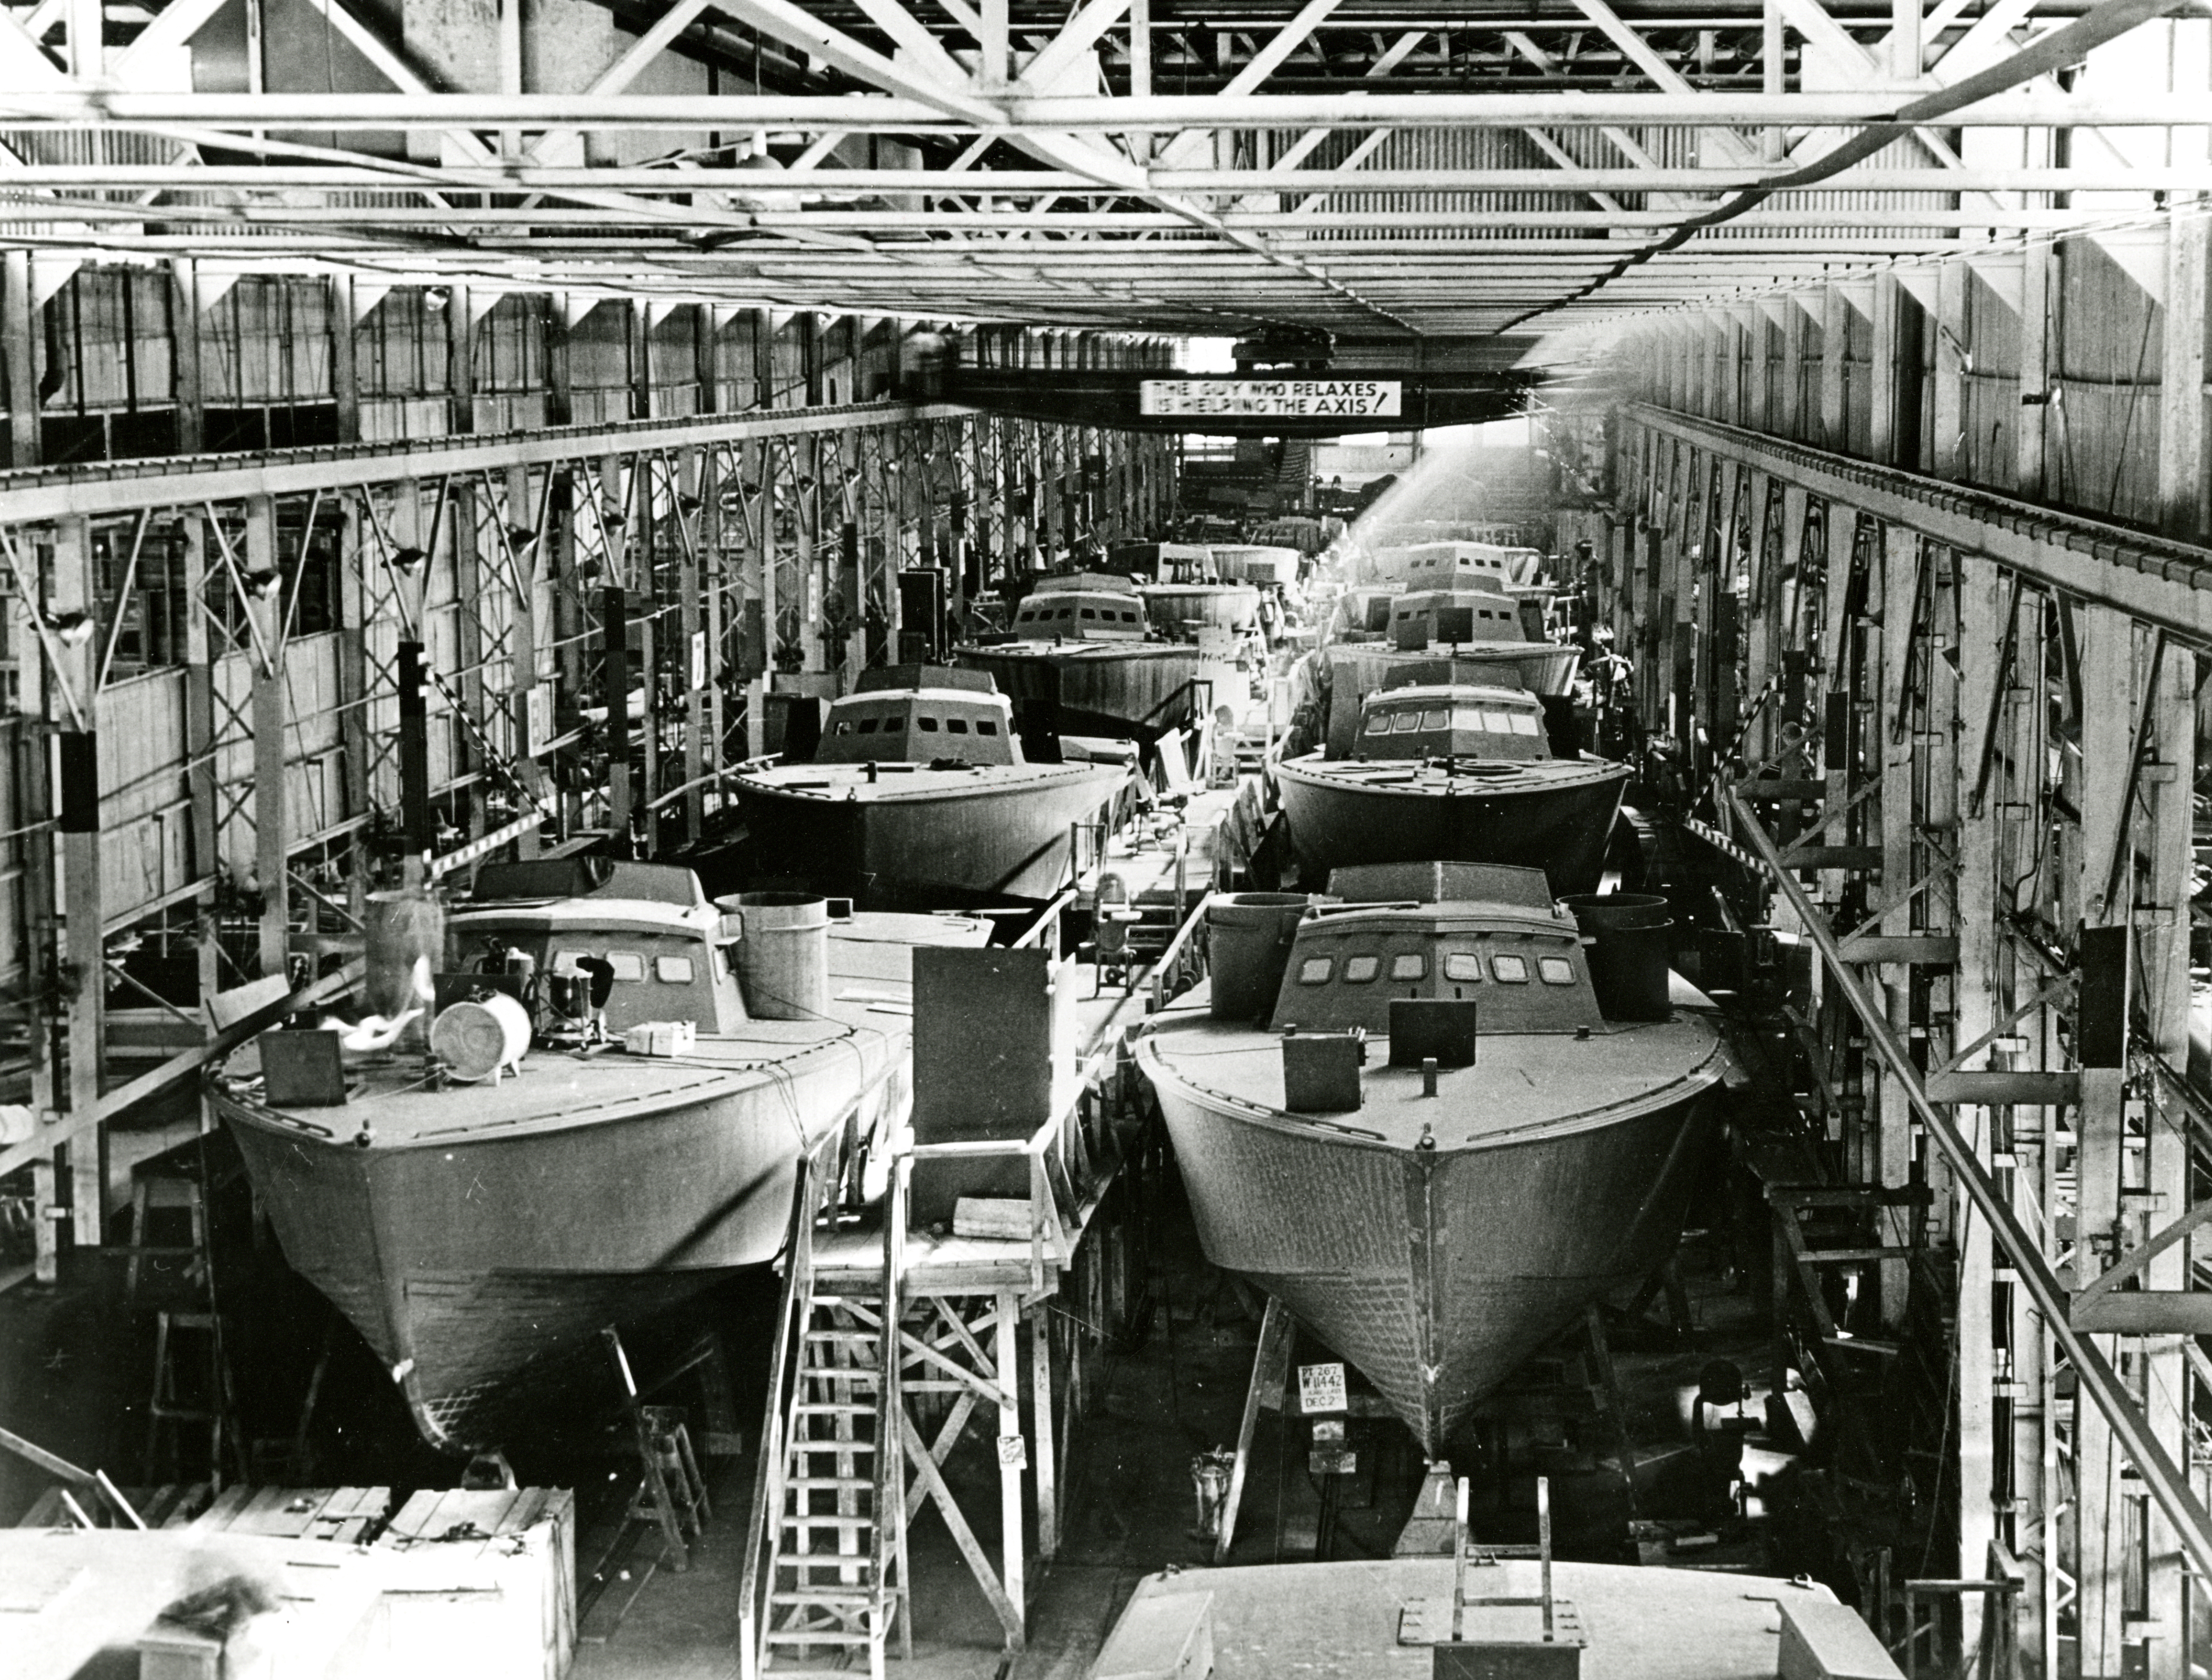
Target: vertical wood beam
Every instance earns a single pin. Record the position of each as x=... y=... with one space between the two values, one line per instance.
x=2035 y=286
x=1835 y=340
x=1882 y=404
x=272 y=831
x=2161 y=916
x=522 y=681
x=468 y=646
x=2182 y=488
x=1974 y=1004
x=694 y=659
x=1900 y=556
x=1013 y=1546
x=1790 y=419
x=460 y=361
x=2107 y=672
x=345 y=361
x=74 y=588
x=19 y=357
x=188 y=379
x=1945 y=451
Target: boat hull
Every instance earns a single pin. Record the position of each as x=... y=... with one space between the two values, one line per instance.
x=1555 y=817
x=1132 y=691
x=475 y=1265
x=1436 y=1274
x=1004 y=839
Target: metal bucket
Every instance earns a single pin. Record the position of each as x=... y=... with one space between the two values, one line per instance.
x=783 y=958
x=1248 y=937
x=1630 y=939
x=404 y=946
x=477 y=1038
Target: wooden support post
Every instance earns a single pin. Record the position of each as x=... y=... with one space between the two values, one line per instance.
x=188 y=377
x=1271 y=1363
x=1789 y=420
x=460 y=361
x=272 y=817
x=1012 y=1542
x=2035 y=277
x=2182 y=490
x=694 y=658
x=19 y=354
x=1045 y=1468
x=1883 y=381
x=2159 y=909
x=74 y=589
x=1900 y=579
x=1834 y=431
x=1947 y=452
x=520 y=514
x=1981 y=603
x=468 y=642
x=2101 y=1514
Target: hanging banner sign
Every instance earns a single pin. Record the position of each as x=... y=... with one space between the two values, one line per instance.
x=1272 y=400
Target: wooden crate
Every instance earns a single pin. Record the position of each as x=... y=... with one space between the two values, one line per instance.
x=347 y=1515
x=484 y=1585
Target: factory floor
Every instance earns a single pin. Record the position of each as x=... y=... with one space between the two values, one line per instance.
x=75 y=1364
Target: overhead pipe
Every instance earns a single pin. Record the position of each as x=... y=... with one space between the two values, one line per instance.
x=2093 y=1374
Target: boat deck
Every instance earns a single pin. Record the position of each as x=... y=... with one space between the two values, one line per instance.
x=1551 y=1083
x=1339 y=1621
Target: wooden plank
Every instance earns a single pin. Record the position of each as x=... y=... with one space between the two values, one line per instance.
x=1270 y=1363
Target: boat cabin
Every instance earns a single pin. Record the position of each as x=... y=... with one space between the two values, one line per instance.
x=1447 y=564
x=1482 y=934
x=1455 y=720
x=1082 y=606
x=1453 y=615
x=655 y=956
x=919 y=714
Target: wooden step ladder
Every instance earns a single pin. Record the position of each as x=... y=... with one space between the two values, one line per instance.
x=825 y=1565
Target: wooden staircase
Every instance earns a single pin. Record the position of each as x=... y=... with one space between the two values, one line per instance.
x=825 y=1564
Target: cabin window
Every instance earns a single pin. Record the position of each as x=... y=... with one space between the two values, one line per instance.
x=1524 y=723
x=1462 y=965
x=1067 y=612
x=1128 y=618
x=1090 y=612
x=672 y=970
x=1315 y=970
x=956 y=725
x=1513 y=970
x=868 y=725
x=567 y=962
x=985 y=726
x=1438 y=719
x=627 y=965
x=1378 y=723
x=1407 y=723
x=928 y=725
x=1497 y=723
x=1409 y=966
x=1028 y=616
x=1555 y=971
x=1361 y=970
x=1466 y=718
x=893 y=725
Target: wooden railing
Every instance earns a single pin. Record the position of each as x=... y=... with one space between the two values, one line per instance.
x=756 y=1579
x=1182 y=961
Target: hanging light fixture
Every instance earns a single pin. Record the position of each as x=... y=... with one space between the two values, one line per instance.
x=71 y=628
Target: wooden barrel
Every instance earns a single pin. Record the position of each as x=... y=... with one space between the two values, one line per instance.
x=477 y=1037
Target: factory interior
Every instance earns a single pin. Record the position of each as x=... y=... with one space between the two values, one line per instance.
x=1299 y=840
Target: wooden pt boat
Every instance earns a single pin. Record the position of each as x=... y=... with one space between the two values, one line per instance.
x=1452 y=772
x=919 y=797
x=1435 y=1241
x=1083 y=659
x=480 y=1235
x=1179 y=611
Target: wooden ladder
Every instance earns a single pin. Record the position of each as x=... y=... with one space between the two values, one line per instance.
x=825 y=1565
